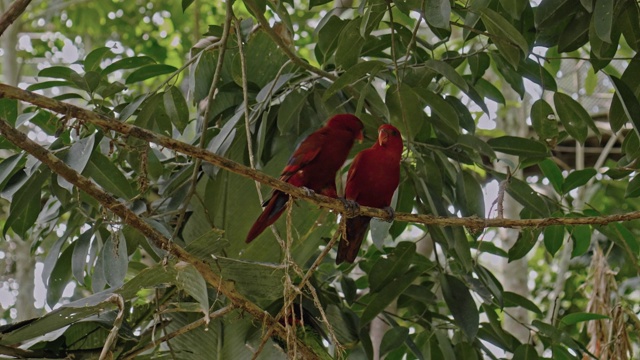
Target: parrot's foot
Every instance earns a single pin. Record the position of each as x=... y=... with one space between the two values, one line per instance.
x=308 y=191
x=352 y=208
x=391 y=214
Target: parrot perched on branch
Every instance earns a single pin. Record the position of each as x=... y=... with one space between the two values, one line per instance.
x=372 y=179
x=313 y=165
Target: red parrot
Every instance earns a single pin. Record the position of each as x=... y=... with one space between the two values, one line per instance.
x=313 y=165
x=373 y=177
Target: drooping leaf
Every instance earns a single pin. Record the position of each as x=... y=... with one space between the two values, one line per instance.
x=553 y=238
x=92 y=61
x=461 y=304
x=108 y=176
x=176 y=107
x=438 y=13
x=526 y=240
x=603 y=19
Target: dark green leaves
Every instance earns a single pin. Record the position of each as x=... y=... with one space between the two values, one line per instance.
x=461 y=304
x=628 y=101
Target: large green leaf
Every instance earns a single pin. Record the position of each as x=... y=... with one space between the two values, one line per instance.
x=574 y=117
x=386 y=270
x=628 y=101
x=350 y=44
x=176 y=107
x=553 y=238
x=518 y=146
x=25 y=205
x=77 y=158
x=461 y=304
x=506 y=37
x=108 y=176
x=578 y=178
x=603 y=19
x=438 y=13
x=544 y=120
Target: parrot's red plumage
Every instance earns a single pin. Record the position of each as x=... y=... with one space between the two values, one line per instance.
x=313 y=165
x=373 y=177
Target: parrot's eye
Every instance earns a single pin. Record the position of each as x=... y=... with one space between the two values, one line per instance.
x=394 y=133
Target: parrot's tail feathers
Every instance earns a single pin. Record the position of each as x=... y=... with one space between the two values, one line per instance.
x=356 y=230
x=272 y=211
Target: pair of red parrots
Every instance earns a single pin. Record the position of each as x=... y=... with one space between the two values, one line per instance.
x=373 y=176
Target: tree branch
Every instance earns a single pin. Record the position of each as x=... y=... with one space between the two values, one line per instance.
x=129 y=217
x=320 y=200
x=15 y=10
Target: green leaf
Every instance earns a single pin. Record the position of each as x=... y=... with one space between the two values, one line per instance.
x=114 y=259
x=289 y=111
x=405 y=109
x=60 y=276
x=49 y=84
x=92 y=61
x=58 y=72
x=176 y=107
x=393 y=339
x=575 y=318
x=576 y=34
x=629 y=102
x=552 y=172
x=148 y=72
x=25 y=204
x=128 y=63
x=79 y=256
x=551 y=12
x=544 y=120
x=508 y=73
x=524 y=194
x=489 y=91
x=108 y=176
x=387 y=270
x=603 y=19
x=518 y=146
x=514 y=7
x=9 y=110
x=553 y=238
x=581 y=235
x=475 y=143
x=469 y=195
x=461 y=304
x=380 y=300
x=506 y=37
x=513 y=300
x=353 y=75
x=9 y=167
x=438 y=13
x=444 y=116
x=448 y=72
x=525 y=352
x=574 y=117
x=577 y=178
x=186 y=4
x=633 y=188
x=478 y=64
x=532 y=70
x=191 y=281
x=526 y=240
x=350 y=45
x=77 y=158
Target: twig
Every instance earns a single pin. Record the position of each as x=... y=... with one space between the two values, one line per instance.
x=320 y=200
x=15 y=10
x=185 y=329
x=118 y=301
x=21 y=140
